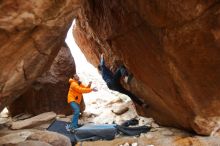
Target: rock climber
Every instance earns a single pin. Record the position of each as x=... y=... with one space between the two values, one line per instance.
x=113 y=80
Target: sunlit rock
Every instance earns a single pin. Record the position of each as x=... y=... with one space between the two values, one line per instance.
x=53 y=138
x=120 y=110
x=31 y=122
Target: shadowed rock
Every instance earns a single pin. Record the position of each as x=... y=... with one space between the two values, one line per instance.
x=31 y=33
x=48 y=92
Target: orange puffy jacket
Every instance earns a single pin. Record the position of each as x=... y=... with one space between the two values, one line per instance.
x=76 y=90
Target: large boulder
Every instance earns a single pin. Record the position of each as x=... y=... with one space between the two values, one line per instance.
x=171 y=47
x=31 y=122
x=34 y=138
x=31 y=33
x=48 y=92
x=53 y=138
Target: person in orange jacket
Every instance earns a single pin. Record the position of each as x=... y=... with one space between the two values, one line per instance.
x=74 y=98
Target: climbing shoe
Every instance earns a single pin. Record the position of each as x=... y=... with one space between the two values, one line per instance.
x=131 y=122
x=70 y=128
x=80 y=125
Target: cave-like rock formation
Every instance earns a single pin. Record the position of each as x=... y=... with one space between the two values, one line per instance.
x=31 y=34
x=48 y=92
x=171 y=47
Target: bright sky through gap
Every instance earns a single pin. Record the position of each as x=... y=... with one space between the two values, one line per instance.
x=84 y=69
x=82 y=64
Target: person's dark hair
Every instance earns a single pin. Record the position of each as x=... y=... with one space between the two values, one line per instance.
x=99 y=67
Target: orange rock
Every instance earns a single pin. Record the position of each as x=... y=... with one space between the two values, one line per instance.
x=172 y=49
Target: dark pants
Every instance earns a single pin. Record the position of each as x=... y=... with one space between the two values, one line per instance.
x=114 y=84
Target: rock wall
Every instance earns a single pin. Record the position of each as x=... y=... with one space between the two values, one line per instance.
x=48 y=92
x=87 y=44
x=31 y=34
x=171 y=47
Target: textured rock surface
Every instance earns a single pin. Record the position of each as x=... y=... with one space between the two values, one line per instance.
x=120 y=110
x=29 y=143
x=31 y=33
x=87 y=44
x=53 y=138
x=32 y=143
x=171 y=47
x=33 y=137
x=15 y=137
x=48 y=92
x=31 y=122
x=101 y=106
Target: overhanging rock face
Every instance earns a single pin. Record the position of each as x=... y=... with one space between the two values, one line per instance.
x=171 y=47
x=31 y=33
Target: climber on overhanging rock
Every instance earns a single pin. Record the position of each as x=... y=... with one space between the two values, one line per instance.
x=113 y=80
x=74 y=98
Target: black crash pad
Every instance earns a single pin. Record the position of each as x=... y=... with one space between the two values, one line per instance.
x=59 y=127
x=96 y=131
x=86 y=132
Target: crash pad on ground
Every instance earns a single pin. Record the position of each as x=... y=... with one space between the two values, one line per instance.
x=91 y=132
